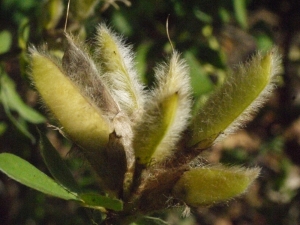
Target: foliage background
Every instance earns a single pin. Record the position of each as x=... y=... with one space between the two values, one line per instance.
x=213 y=37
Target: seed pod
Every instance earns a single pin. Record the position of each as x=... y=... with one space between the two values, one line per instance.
x=80 y=120
x=166 y=114
x=234 y=103
x=118 y=70
x=206 y=186
x=81 y=69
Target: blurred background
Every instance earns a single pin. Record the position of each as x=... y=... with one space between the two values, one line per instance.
x=214 y=36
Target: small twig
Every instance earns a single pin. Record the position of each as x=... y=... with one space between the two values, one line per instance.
x=67 y=15
x=167 y=28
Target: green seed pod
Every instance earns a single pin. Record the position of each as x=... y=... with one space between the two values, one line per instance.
x=81 y=69
x=80 y=120
x=166 y=113
x=234 y=103
x=118 y=70
x=206 y=186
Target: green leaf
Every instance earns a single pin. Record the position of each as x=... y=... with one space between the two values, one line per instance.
x=82 y=9
x=25 y=173
x=13 y=101
x=22 y=127
x=56 y=165
x=141 y=59
x=224 y=15
x=240 y=10
x=54 y=10
x=198 y=76
x=23 y=33
x=94 y=200
x=121 y=24
x=202 y=16
x=3 y=127
x=18 y=123
x=5 y=43
x=264 y=41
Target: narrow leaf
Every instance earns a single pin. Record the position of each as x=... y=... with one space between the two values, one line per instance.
x=3 y=127
x=82 y=9
x=14 y=101
x=20 y=122
x=53 y=11
x=94 y=200
x=25 y=173
x=6 y=40
x=56 y=165
x=198 y=76
x=240 y=10
x=141 y=59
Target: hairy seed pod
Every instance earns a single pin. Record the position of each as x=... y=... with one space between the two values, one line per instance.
x=80 y=120
x=81 y=69
x=118 y=70
x=209 y=185
x=235 y=102
x=166 y=113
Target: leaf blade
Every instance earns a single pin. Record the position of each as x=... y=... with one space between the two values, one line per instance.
x=25 y=173
x=94 y=200
x=56 y=165
x=14 y=101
